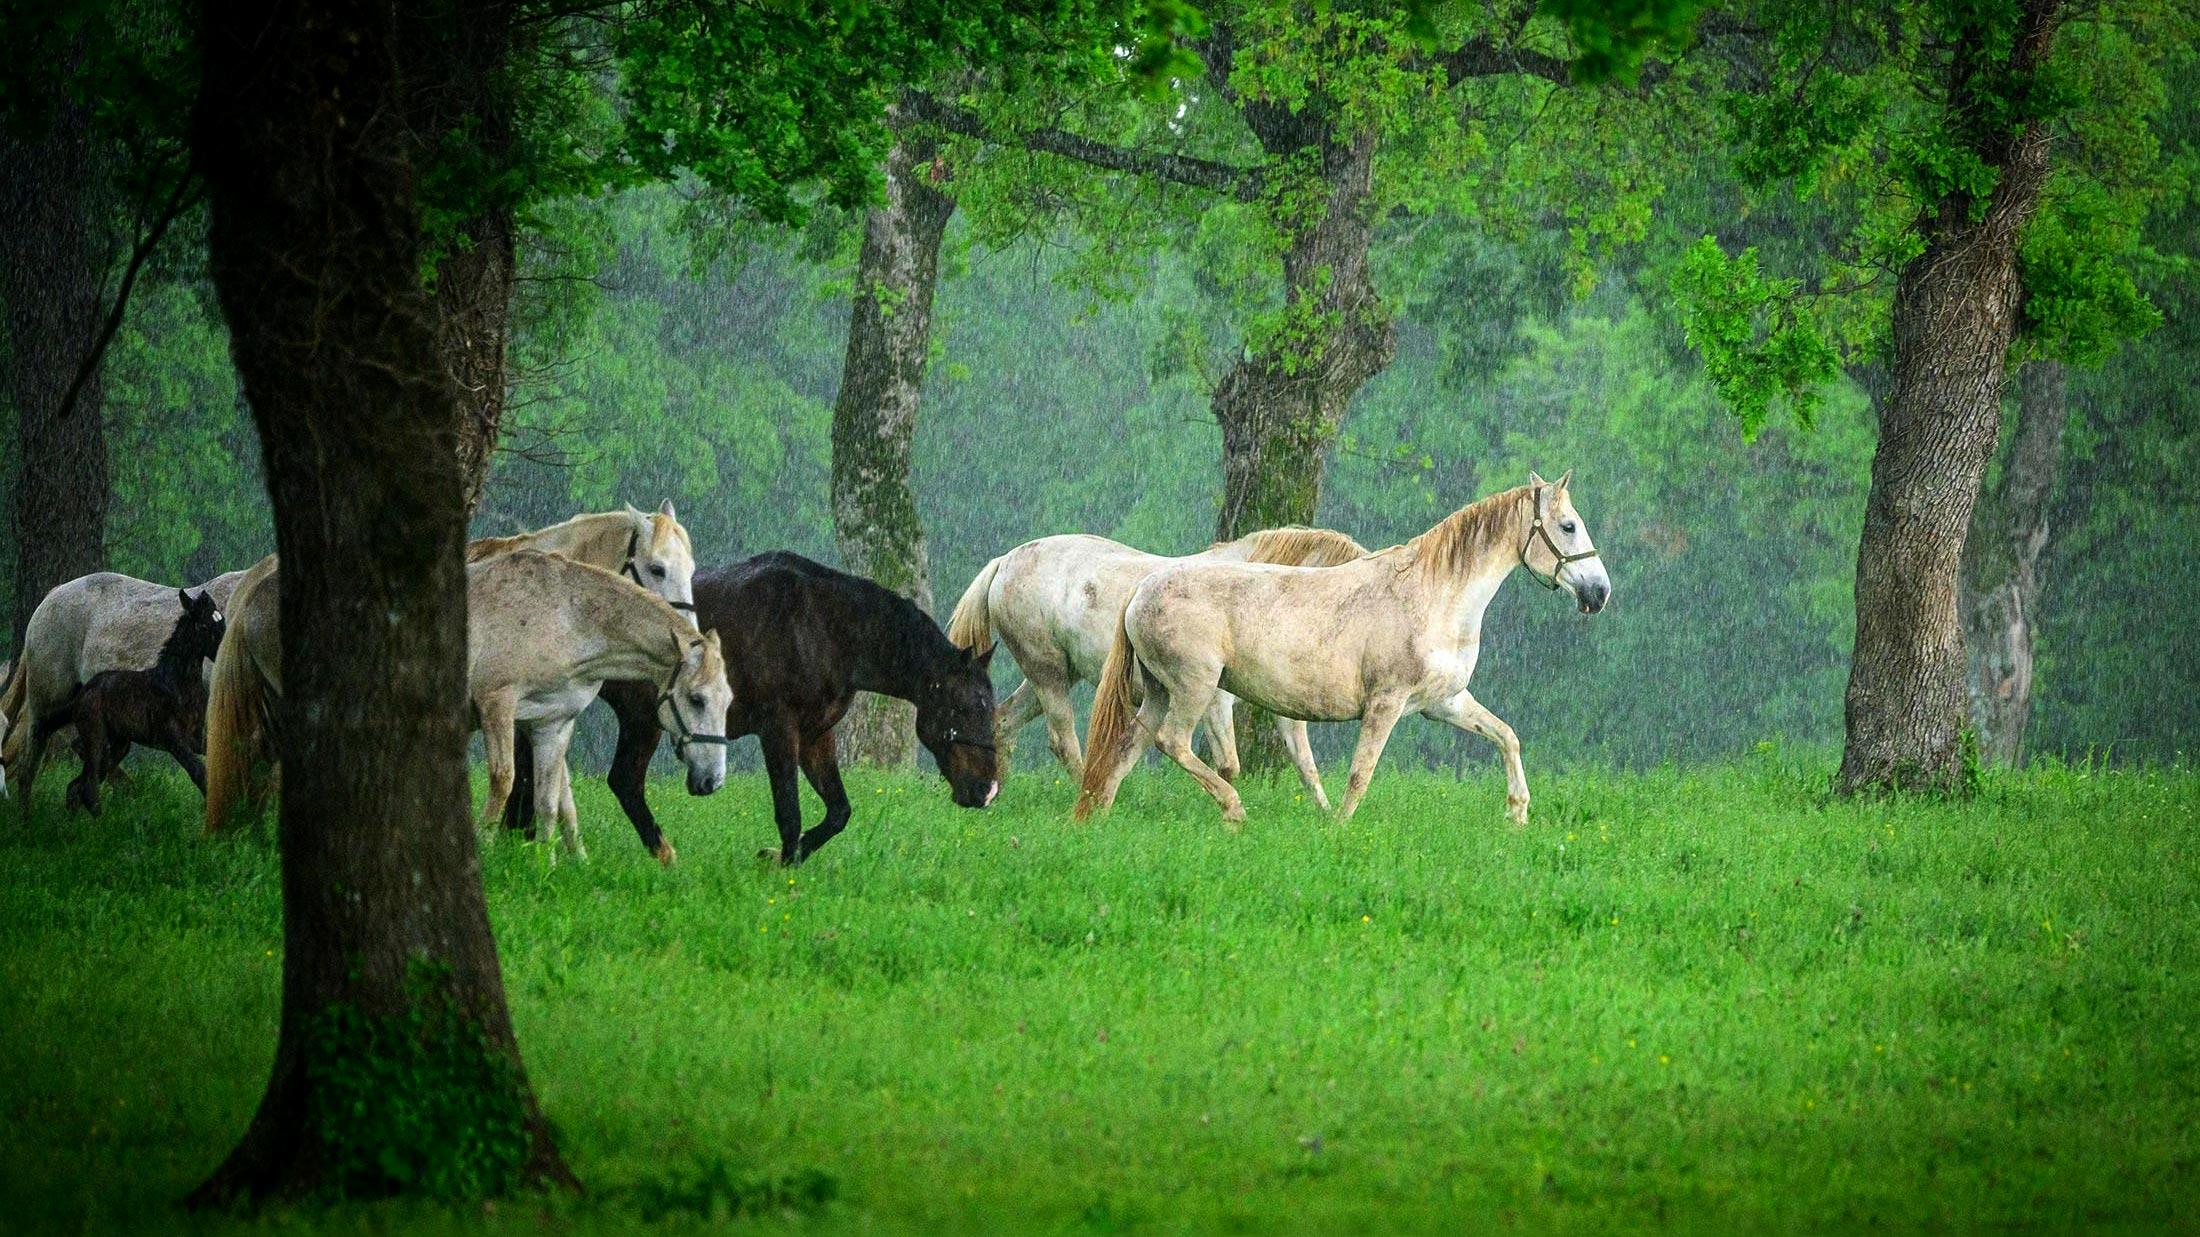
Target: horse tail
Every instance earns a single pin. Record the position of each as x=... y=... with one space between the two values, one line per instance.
x=11 y=706
x=236 y=707
x=971 y=625
x=1113 y=728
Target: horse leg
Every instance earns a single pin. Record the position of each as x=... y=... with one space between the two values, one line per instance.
x=1302 y=754
x=781 y=753
x=1010 y=716
x=91 y=752
x=519 y=810
x=548 y=742
x=1467 y=713
x=499 y=716
x=1061 y=724
x=1173 y=735
x=1376 y=722
x=821 y=766
x=1143 y=725
x=32 y=755
x=634 y=704
x=1222 y=736
x=178 y=745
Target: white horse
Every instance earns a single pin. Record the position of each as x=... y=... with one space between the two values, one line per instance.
x=1055 y=601
x=1394 y=633
x=81 y=629
x=543 y=634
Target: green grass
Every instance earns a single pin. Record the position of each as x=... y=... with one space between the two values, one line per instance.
x=1686 y=1000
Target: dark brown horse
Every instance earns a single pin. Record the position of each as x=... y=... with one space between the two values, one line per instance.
x=164 y=707
x=801 y=639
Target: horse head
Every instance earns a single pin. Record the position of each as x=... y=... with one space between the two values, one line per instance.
x=692 y=709
x=661 y=558
x=955 y=724
x=1557 y=550
x=198 y=634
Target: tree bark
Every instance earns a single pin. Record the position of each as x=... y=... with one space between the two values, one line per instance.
x=1955 y=316
x=56 y=245
x=2001 y=583
x=875 y=521
x=1280 y=406
x=395 y=1070
x=475 y=274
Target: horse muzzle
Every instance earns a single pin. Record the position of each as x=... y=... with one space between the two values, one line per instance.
x=1591 y=595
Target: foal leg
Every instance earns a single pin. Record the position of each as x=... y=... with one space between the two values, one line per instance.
x=91 y=753
x=1467 y=713
x=821 y=766
x=1376 y=722
x=498 y=718
x=1302 y=755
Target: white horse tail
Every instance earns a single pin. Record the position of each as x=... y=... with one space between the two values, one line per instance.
x=236 y=713
x=1113 y=728
x=971 y=625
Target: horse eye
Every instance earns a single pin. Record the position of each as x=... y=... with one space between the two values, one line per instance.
x=1567 y=527
x=657 y=570
x=696 y=699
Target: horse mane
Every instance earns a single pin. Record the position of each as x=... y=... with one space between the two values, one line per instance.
x=484 y=548
x=579 y=570
x=1296 y=545
x=1460 y=539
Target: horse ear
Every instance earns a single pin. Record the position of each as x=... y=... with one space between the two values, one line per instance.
x=184 y=595
x=984 y=660
x=667 y=511
x=1564 y=480
x=1536 y=479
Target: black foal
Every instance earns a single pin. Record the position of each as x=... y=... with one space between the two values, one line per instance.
x=164 y=707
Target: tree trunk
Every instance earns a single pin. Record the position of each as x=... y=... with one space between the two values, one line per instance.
x=2001 y=585
x=1280 y=406
x=57 y=246
x=1955 y=316
x=396 y=1070
x=474 y=276
x=875 y=518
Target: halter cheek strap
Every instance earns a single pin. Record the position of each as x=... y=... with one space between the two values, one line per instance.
x=681 y=735
x=634 y=573
x=1537 y=530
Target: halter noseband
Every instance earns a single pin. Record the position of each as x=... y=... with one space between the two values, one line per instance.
x=634 y=543
x=1537 y=530
x=681 y=735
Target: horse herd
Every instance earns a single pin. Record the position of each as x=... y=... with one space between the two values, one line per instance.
x=1304 y=623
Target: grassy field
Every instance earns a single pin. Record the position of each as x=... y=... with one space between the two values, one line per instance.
x=1680 y=1000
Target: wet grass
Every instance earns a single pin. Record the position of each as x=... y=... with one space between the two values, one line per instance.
x=1690 y=1000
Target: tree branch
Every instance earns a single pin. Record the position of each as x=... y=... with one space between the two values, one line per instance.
x=180 y=199
x=1482 y=57
x=1228 y=179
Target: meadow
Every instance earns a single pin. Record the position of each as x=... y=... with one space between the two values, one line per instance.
x=1681 y=1000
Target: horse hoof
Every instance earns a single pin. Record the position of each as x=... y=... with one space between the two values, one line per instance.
x=665 y=854
x=1518 y=812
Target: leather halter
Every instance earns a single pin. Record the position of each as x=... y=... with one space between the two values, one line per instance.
x=681 y=735
x=634 y=573
x=1537 y=530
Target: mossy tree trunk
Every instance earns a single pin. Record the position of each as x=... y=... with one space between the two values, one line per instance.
x=57 y=244
x=1283 y=402
x=2001 y=583
x=1955 y=316
x=395 y=1069
x=875 y=520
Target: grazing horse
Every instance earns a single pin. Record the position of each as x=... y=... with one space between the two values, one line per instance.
x=801 y=640
x=103 y=621
x=1054 y=603
x=542 y=634
x=164 y=707
x=1393 y=633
